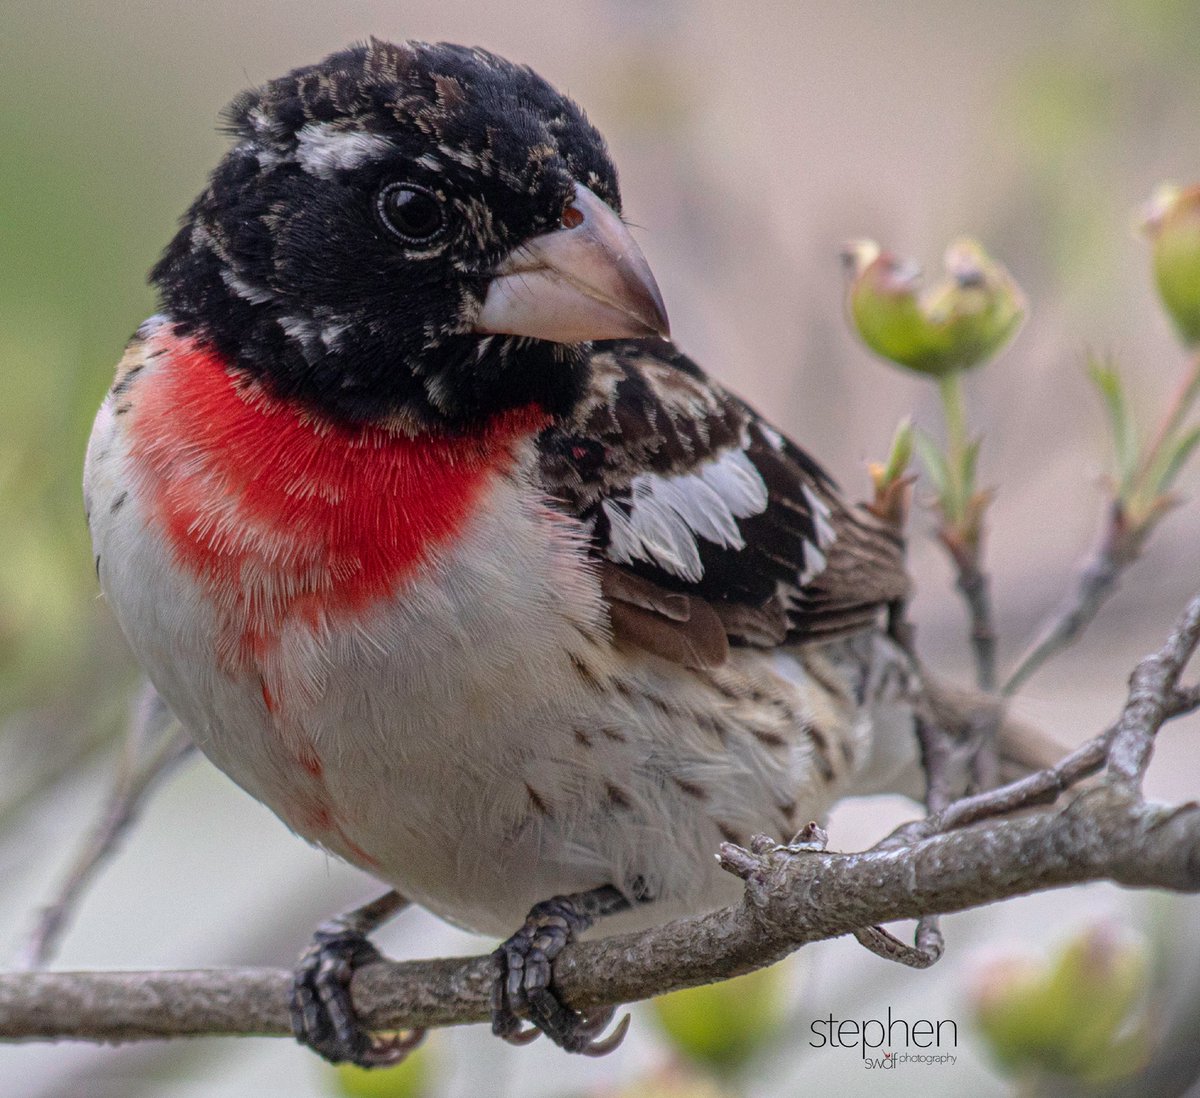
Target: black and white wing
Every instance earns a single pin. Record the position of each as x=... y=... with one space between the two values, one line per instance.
x=710 y=526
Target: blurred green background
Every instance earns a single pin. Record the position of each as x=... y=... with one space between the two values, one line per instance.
x=752 y=141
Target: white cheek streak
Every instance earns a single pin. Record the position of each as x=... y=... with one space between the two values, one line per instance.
x=438 y=392
x=461 y=156
x=256 y=295
x=266 y=156
x=322 y=149
x=331 y=334
x=668 y=514
x=259 y=122
x=300 y=329
x=313 y=340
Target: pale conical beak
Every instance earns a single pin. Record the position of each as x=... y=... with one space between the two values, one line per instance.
x=587 y=280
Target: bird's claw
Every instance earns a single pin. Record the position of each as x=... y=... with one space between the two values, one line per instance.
x=522 y=988
x=322 y=1012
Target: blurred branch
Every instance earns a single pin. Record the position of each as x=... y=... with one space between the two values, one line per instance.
x=960 y=859
x=1177 y=413
x=1141 y=496
x=154 y=745
x=1119 y=547
x=972 y=583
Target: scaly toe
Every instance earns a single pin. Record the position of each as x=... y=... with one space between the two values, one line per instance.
x=522 y=989
x=322 y=1013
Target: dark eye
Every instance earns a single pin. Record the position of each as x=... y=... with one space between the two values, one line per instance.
x=412 y=213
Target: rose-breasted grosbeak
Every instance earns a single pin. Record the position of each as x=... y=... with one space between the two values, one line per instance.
x=437 y=547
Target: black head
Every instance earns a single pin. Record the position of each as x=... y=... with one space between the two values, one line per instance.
x=373 y=242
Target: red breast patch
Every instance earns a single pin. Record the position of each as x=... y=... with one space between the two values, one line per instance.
x=280 y=513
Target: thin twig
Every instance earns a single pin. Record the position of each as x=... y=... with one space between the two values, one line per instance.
x=1119 y=546
x=1154 y=698
x=1138 y=504
x=975 y=587
x=1152 y=689
x=961 y=531
x=940 y=762
x=1043 y=787
x=1177 y=412
x=154 y=745
x=973 y=584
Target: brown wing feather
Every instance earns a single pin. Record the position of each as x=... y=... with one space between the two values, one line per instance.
x=681 y=628
x=711 y=528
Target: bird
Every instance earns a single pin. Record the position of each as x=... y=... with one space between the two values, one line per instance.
x=437 y=545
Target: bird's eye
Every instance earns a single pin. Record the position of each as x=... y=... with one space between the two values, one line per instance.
x=412 y=213
x=572 y=215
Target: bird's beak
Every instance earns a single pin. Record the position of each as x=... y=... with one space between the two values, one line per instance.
x=587 y=280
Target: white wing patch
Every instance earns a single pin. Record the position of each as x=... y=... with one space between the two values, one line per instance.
x=826 y=535
x=667 y=514
x=322 y=148
x=814 y=556
x=773 y=437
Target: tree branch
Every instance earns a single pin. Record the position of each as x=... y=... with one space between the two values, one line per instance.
x=792 y=898
x=1153 y=692
x=973 y=584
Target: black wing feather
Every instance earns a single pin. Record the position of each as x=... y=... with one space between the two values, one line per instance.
x=805 y=565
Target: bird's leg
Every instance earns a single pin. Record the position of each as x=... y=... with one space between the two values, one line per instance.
x=323 y=1016
x=526 y=963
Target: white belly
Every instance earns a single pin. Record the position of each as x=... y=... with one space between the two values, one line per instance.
x=476 y=740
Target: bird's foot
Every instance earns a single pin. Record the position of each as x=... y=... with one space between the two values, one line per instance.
x=323 y=1015
x=526 y=969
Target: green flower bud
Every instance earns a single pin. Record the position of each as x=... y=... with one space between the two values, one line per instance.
x=722 y=1025
x=1071 y=1017
x=966 y=318
x=1172 y=224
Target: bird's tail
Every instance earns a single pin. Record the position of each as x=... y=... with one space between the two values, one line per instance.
x=892 y=693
